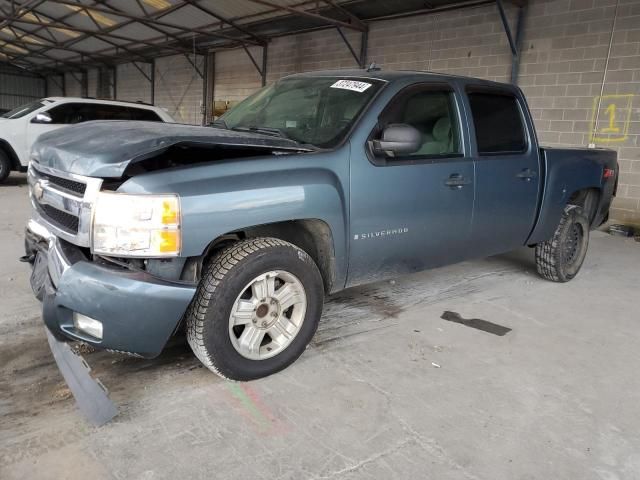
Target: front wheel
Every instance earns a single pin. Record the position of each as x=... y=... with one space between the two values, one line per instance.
x=256 y=309
x=5 y=166
x=560 y=258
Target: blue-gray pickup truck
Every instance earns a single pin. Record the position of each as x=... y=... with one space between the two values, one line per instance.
x=236 y=231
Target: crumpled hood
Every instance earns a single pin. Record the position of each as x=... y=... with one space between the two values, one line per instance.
x=106 y=148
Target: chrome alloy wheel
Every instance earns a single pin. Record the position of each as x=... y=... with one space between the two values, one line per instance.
x=267 y=315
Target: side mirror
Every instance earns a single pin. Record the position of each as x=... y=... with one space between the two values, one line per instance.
x=42 y=117
x=398 y=139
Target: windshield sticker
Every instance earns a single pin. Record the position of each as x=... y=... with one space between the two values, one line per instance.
x=351 y=85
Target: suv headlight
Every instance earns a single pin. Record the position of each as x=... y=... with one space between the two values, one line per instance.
x=136 y=225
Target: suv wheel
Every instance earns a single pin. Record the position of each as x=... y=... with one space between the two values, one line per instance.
x=256 y=308
x=5 y=166
x=560 y=258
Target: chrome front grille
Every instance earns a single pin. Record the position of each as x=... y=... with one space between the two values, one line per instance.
x=71 y=186
x=63 y=202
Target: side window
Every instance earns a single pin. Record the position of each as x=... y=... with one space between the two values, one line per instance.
x=144 y=115
x=65 y=114
x=86 y=112
x=432 y=111
x=108 y=112
x=498 y=123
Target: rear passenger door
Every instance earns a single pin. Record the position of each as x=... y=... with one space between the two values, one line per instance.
x=414 y=211
x=507 y=170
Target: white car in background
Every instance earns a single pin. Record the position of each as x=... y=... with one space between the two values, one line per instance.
x=20 y=127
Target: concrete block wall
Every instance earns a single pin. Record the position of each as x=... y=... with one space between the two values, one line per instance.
x=236 y=77
x=54 y=86
x=92 y=83
x=322 y=50
x=179 y=88
x=132 y=85
x=564 y=55
x=468 y=42
x=72 y=85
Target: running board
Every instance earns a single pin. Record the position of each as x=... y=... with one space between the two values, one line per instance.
x=91 y=396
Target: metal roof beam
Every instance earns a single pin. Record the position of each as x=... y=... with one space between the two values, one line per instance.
x=90 y=33
x=142 y=72
x=93 y=54
x=26 y=46
x=507 y=28
x=32 y=65
x=194 y=65
x=208 y=11
x=351 y=16
x=22 y=10
x=36 y=54
x=160 y=23
x=349 y=46
x=42 y=26
x=306 y=13
x=149 y=23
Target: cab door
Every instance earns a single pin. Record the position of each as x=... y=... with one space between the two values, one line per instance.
x=508 y=173
x=412 y=212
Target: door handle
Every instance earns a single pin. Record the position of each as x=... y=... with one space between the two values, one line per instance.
x=456 y=181
x=527 y=174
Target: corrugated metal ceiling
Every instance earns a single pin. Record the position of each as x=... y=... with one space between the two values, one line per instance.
x=74 y=34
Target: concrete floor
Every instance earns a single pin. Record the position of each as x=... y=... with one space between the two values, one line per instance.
x=388 y=389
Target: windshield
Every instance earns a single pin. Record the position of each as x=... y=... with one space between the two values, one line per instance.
x=310 y=110
x=24 y=109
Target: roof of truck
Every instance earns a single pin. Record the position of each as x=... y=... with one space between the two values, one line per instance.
x=393 y=75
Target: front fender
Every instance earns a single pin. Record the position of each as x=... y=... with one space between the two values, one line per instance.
x=223 y=197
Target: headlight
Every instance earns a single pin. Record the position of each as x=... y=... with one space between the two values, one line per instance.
x=136 y=225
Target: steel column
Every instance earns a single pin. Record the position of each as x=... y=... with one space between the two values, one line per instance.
x=515 y=61
x=209 y=87
x=153 y=81
x=114 y=74
x=263 y=73
x=514 y=41
x=364 y=48
x=84 y=85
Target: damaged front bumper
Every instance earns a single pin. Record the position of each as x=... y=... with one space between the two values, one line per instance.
x=138 y=312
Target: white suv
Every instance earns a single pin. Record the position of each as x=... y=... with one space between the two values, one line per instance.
x=20 y=128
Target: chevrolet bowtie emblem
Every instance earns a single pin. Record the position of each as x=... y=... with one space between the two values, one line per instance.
x=38 y=189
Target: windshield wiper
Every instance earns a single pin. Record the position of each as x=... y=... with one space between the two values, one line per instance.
x=274 y=132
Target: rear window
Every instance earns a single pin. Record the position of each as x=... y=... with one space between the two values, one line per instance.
x=498 y=123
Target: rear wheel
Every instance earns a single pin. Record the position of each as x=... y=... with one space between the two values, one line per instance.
x=5 y=166
x=256 y=309
x=561 y=258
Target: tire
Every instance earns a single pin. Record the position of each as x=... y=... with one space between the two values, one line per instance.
x=236 y=277
x=561 y=258
x=5 y=166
